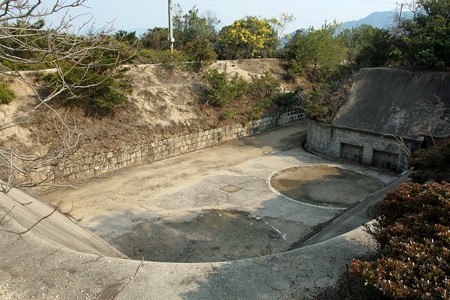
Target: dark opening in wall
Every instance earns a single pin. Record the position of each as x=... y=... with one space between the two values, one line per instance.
x=352 y=152
x=382 y=159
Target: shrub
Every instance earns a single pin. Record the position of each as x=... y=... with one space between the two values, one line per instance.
x=286 y=99
x=432 y=163
x=413 y=233
x=262 y=89
x=200 y=53
x=222 y=91
x=97 y=92
x=6 y=93
x=227 y=113
x=169 y=59
x=329 y=93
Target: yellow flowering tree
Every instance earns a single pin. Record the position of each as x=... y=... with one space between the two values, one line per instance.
x=250 y=37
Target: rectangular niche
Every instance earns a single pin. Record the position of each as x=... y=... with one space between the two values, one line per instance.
x=352 y=152
x=386 y=160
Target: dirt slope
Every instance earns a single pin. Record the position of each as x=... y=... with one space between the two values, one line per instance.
x=162 y=103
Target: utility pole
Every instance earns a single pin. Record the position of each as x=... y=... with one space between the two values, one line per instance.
x=171 y=39
x=401 y=12
x=399 y=17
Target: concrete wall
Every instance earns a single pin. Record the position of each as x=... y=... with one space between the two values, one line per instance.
x=360 y=146
x=104 y=162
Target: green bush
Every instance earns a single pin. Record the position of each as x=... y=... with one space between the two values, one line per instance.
x=432 y=163
x=413 y=233
x=221 y=90
x=97 y=92
x=262 y=89
x=286 y=99
x=6 y=94
x=170 y=59
x=227 y=113
x=329 y=93
x=200 y=54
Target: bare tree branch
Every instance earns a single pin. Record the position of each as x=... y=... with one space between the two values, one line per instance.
x=24 y=42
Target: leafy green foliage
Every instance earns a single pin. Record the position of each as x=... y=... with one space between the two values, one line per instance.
x=221 y=90
x=368 y=46
x=432 y=163
x=155 y=39
x=6 y=93
x=313 y=51
x=170 y=59
x=96 y=91
x=262 y=89
x=227 y=113
x=126 y=37
x=20 y=45
x=413 y=233
x=200 y=53
x=191 y=27
x=329 y=93
x=286 y=99
x=250 y=37
x=426 y=39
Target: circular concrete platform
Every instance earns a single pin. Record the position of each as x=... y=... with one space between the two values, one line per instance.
x=324 y=185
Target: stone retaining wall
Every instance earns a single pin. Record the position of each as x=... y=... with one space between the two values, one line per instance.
x=370 y=148
x=104 y=162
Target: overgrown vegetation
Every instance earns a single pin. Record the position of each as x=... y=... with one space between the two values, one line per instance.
x=425 y=41
x=201 y=54
x=6 y=94
x=314 y=51
x=97 y=92
x=432 y=163
x=235 y=94
x=223 y=91
x=262 y=90
x=413 y=233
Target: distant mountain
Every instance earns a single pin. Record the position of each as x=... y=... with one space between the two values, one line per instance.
x=383 y=19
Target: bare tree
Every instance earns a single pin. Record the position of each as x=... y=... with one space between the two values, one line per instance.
x=26 y=43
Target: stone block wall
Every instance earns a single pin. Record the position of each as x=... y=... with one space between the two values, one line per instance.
x=337 y=142
x=104 y=162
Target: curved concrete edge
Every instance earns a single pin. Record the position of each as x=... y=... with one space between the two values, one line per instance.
x=331 y=207
x=50 y=225
x=36 y=265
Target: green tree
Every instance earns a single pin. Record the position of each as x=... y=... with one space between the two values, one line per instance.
x=191 y=27
x=126 y=37
x=221 y=90
x=262 y=90
x=155 y=38
x=250 y=37
x=200 y=53
x=426 y=40
x=368 y=46
x=314 y=51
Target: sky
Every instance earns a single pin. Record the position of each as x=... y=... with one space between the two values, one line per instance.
x=137 y=14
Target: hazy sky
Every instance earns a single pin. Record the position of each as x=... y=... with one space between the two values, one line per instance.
x=133 y=14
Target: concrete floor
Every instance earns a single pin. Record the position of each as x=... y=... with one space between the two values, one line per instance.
x=217 y=204
x=231 y=177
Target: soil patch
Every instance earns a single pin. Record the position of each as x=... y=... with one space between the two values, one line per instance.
x=324 y=185
x=213 y=235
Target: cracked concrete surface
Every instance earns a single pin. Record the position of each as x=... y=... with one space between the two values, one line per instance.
x=33 y=266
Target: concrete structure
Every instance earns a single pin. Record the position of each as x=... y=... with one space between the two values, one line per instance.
x=390 y=113
x=58 y=260
x=100 y=163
